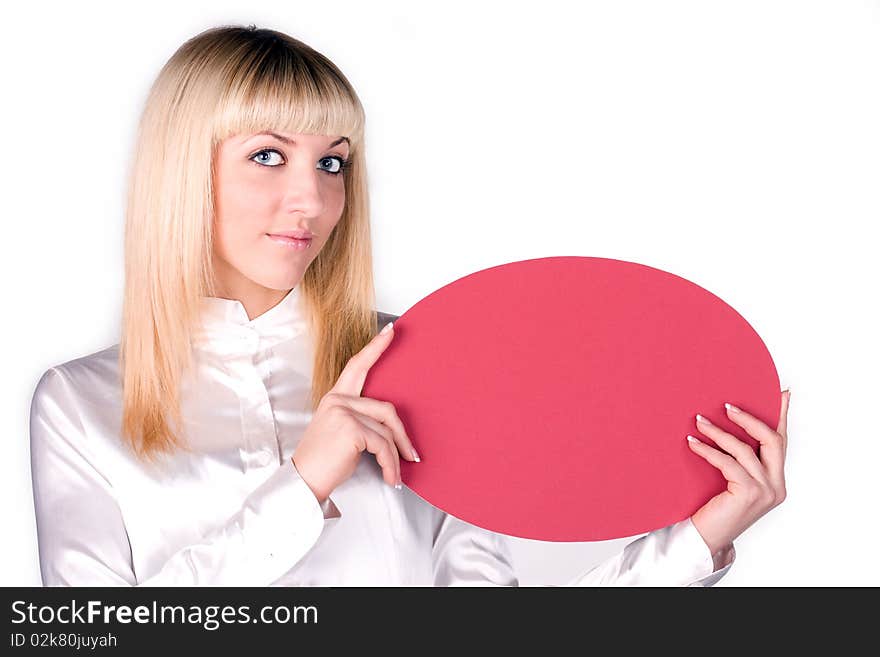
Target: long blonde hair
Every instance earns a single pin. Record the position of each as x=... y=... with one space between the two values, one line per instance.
x=224 y=81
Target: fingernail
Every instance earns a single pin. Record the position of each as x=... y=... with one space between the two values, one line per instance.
x=398 y=486
x=700 y=418
x=416 y=456
x=692 y=439
x=731 y=407
x=387 y=327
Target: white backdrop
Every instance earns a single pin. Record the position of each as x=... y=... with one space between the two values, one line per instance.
x=735 y=144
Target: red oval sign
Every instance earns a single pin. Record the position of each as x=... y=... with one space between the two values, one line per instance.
x=550 y=398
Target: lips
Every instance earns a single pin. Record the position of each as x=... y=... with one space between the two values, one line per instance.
x=290 y=242
x=294 y=234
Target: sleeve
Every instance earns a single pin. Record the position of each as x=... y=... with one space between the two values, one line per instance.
x=677 y=555
x=81 y=533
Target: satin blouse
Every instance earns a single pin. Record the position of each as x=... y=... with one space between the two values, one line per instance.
x=233 y=510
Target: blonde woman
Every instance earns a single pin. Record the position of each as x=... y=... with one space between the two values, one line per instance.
x=221 y=441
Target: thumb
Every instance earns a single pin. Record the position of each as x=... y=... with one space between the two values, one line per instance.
x=783 y=413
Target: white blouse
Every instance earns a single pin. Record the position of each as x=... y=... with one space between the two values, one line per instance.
x=234 y=511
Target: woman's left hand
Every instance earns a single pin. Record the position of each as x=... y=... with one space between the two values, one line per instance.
x=755 y=482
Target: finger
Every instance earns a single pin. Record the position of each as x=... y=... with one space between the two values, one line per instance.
x=383 y=449
x=772 y=446
x=782 y=429
x=756 y=428
x=351 y=379
x=729 y=466
x=384 y=412
x=388 y=435
x=738 y=449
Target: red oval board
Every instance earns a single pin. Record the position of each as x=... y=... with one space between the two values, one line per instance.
x=550 y=398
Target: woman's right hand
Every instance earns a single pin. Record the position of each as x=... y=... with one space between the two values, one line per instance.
x=345 y=424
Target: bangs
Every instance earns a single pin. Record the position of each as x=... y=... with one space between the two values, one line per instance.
x=279 y=88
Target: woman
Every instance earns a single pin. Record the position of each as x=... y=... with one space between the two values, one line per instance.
x=220 y=441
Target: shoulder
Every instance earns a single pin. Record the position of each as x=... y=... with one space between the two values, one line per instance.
x=74 y=415
x=94 y=377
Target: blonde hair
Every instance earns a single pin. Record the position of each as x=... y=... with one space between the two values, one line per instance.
x=224 y=81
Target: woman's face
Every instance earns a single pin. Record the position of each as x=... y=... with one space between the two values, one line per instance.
x=268 y=184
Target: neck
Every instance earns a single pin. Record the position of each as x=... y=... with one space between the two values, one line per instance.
x=232 y=284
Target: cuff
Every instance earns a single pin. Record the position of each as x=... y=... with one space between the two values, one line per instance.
x=328 y=507
x=286 y=521
x=692 y=543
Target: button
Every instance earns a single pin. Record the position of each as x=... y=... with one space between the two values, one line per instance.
x=264 y=457
x=251 y=339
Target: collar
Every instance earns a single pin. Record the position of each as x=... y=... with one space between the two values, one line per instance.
x=225 y=325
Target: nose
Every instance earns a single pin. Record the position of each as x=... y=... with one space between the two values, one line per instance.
x=304 y=189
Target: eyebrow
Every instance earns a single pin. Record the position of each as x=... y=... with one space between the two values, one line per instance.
x=284 y=139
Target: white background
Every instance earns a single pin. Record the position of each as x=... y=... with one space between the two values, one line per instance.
x=736 y=144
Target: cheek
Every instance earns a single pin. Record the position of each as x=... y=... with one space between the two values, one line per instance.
x=335 y=200
x=244 y=209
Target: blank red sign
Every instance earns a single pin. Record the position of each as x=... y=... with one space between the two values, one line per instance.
x=550 y=398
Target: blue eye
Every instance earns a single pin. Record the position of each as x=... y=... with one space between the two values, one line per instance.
x=265 y=151
x=339 y=167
